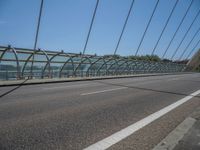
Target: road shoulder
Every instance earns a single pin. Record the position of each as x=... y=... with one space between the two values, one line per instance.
x=148 y=137
x=186 y=136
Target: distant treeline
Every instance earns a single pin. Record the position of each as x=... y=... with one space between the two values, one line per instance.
x=154 y=58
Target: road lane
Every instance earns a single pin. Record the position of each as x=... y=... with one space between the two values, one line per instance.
x=63 y=119
x=124 y=133
x=41 y=99
x=33 y=90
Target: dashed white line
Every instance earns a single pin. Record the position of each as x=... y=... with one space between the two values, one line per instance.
x=96 y=92
x=175 y=78
x=122 y=134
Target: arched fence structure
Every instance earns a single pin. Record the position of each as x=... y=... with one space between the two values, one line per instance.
x=19 y=63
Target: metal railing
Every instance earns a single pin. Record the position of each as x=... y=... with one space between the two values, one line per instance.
x=18 y=63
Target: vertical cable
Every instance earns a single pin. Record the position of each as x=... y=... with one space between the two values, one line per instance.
x=124 y=26
x=189 y=43
x=36 y=35
x=164 y=27
x=91 y=24
x=166 y=50
x=146 y=28
x=38 y=24
x=185 y=34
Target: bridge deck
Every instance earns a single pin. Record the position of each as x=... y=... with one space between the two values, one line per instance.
x=76 y=115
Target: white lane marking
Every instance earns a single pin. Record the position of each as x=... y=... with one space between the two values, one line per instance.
x=176 y=78
x=67 y=86
x=122 y=134
x=96 y=92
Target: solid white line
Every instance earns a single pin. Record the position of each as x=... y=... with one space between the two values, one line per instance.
x=104 y=91
x=122 y=134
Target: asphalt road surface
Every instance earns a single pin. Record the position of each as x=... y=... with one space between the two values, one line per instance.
x=75 y=115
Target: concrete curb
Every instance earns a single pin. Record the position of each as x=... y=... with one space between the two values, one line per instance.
x=59 y=80
x=176 y=135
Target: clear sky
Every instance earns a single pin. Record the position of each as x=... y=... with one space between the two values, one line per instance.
x=65 y=23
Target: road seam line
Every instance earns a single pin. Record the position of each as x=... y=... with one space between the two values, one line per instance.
x=122 y=134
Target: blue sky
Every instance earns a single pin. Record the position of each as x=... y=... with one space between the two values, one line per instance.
x=65 y=23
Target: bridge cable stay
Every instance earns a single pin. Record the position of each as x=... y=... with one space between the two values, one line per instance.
x=155 y=7
x=37 y=33
x=166 y=50
x=35 y=45
x=38 y=24
x=124 y=26
x=193 y=49
x=91 y=24
x=185 y=34
x=196 y=33
x=168 y=19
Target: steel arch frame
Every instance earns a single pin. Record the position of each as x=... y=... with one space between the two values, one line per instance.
x=32 y=55
x=125 y=62
x=72 y=63
x=136 y=63
x=105 y=63
x=101 y=58
x=108 y=69
x=16 y=58
x=129 y=68
x=50 y=61
x=81 y=62
x=27 y=60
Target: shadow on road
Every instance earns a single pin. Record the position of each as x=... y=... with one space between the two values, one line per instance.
x=146 y=89
x=8 y=92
